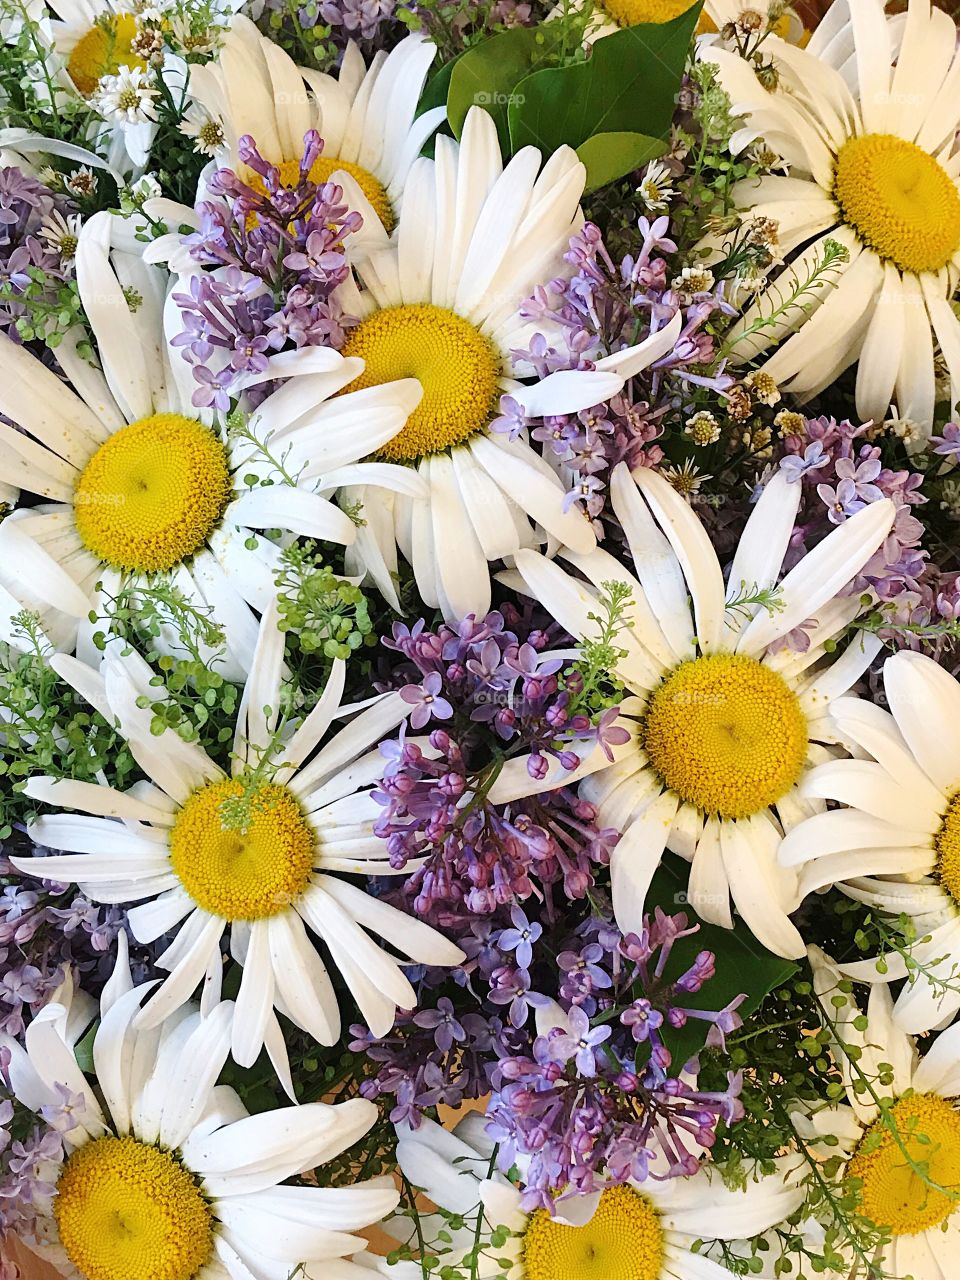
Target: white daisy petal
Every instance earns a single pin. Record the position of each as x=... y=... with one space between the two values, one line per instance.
x=925 y=701
x=636 y=857
x=694 y=551
x=821 y=573
x=756 y=885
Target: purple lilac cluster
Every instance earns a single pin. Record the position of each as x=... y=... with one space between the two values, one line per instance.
x=31 y=1155
x=602 y=307
x=24 y=204
x=581 y=1080
x=278 y=256
x=443 y=20
x=841 y=471
x=352 y=19
x=45 y=930
x=493 y=692
x=594 y=1101
x=436 y=1057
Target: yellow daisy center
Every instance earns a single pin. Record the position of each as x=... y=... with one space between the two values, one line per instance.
x=455 y=364
x=947 y=845
x=126 y=1211
x=104 y=49
x=152 y=494
x=895 y=1195
x=900 y=201
x=322 y=170
x=726 y=734
x=630 y=13
x=242 y=865
x=622 y=1241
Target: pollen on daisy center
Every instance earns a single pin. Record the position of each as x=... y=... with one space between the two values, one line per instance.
x=622 y=1241
x=103 y=50
x=947 y=845
x=899 y=200
x=322 y=170
x=455 y=364
x=242 y=867
x=726 y=734
x=893 y=1193
x=152 y=494
x=128 y=1211
x=630 y=13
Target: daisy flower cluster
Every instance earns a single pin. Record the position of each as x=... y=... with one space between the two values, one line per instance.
x=479 y=640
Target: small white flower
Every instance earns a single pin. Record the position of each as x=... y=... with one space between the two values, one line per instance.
x=127 y=97
x=703 y=428
x=82 y=182
x=904 y=428
x=61 y=234
x=207 y=133
x=691 y=281
x=686 y=480
x=655 y=190
x=184 y=36
x=145 y=188
x=950 y=498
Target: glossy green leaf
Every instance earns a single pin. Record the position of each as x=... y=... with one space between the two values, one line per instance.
x=609 y=156
x=488 y=75
x=83 y=1050
x=628 y=84
x=435 y=95
x=743 y=966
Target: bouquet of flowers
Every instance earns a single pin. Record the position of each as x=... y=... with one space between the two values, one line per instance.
x=479 y=614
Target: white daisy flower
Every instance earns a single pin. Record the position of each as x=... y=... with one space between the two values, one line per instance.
x=725 y=723
x=165 y=1173
x=82 y=183
x=367 y=117
x=638 y=1231
x=61 y=234
x=442 y=305
x=918 y=1210
x=260 y=853
x=127 y=97
x=896 y=843
x=867 y=117
x=137 y=483
x=655 y=190
x=207 y=133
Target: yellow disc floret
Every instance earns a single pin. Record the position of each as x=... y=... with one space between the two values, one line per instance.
x=242 y=856
x=128 y=1211
x=726 y=734
x=103 y=50
x=622 y=1241
x=455 y=364
x=630 y=13
x=899 y=200
x=947 y=844
x=321 y=171
x=152 y=494
x=911 y=1184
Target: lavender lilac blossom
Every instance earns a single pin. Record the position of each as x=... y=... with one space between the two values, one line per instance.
x=602 y=307
x=31 y=1158
x=586 y=1092
x=24 y=257
x=487 y=692
x=841 y=471
x=277 y=256
x=47 y=929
